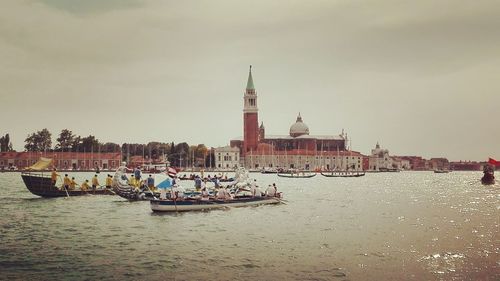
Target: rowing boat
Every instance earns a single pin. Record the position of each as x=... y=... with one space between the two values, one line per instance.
x=42 y=185
x=296 y=175
x=343 y=174
x=198 y=205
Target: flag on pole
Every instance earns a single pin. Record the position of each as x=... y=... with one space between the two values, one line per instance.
x=494 y=162
x=171 y=172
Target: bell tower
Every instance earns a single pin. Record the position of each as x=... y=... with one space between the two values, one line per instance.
x=250 y=117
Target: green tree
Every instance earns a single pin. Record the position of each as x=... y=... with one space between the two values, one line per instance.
x=39 y=141
x=90 y=144
x=76 y=145
x=5 y=144
x=110 y=147
x=65 y=140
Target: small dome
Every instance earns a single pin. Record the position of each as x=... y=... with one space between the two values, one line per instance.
x=299 y=128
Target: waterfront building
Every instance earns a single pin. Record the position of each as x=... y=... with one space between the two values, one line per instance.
x=298 y=150
x=62 y=160
x=227 y=157
x=416 y=163
x=466 y=166
x=439 y=164
x=380 y=160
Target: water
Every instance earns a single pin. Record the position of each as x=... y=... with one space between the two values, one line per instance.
x=387 y=226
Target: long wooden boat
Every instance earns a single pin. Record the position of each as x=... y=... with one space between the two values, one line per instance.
x=343 y=174
x=41 y=185
x=198 y=205
x=441 y=171
x=296 y=175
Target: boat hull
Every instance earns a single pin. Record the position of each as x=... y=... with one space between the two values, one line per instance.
x=343 y=175
x=43 y=187
x=488 y=179
x=296 y=176
x=198 y=205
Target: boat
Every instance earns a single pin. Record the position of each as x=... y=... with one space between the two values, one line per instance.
x=40 y=183
x=296 y=175
x=488 y=175
x=441 y=171
x=268 y=170
x=123 y=189
x=158 y=205
x=342 y=174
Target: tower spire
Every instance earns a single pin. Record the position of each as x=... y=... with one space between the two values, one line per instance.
x=250 y=85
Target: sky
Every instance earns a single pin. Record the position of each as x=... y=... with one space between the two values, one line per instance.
x=419 y=77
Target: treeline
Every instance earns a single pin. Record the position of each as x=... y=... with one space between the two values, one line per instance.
x=181 y=154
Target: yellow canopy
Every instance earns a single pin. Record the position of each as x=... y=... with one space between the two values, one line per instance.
x=41 y=164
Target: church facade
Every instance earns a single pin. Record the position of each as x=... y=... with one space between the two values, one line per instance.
x=298 y=150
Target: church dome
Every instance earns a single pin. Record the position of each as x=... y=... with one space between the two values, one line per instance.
x=299 y=128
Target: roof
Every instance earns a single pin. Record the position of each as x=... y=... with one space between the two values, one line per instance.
x=287 y=137
x=250 y=85
x=226 y=149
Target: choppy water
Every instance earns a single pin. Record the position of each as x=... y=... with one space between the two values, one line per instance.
x=387 y=226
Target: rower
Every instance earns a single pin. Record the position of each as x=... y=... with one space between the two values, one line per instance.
x=85 y=185
x=131 y=181
x=66 y=182
x=109 y=181
x=95 y=182
x=204 y=194
x=255 y=191
x=221 y=194
x=72 y=184
x=270 y=191
x=54 y=176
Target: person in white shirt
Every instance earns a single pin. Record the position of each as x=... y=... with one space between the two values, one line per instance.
x=204 y=194
x=255 y=191
x=270 y=191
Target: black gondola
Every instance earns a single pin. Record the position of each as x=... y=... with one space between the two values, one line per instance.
x=343 y=174
x=41 y=185
x=296 y=175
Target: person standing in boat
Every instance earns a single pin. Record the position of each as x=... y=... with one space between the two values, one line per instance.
x=137 y=174
x=95 y=182
x=197 y=183
x=66 y=182
x=54 y=176
x=151 y=183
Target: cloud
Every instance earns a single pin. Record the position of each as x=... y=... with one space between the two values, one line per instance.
x=385 y=70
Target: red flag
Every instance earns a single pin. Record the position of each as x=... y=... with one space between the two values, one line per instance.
x=493 y=162
x=171 y=172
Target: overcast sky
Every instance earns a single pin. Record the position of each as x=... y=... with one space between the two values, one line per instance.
x=420 y=77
